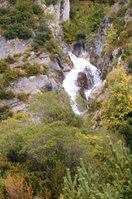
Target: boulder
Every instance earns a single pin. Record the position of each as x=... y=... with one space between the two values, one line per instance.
x=82 y=80
x=29 y=85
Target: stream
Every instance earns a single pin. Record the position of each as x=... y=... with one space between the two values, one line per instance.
x=70 y=81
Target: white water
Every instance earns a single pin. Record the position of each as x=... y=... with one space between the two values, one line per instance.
x=70 y=81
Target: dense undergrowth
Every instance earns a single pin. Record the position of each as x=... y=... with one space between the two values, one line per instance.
x=85 y=20
x=36 y=155
x=19 y=19
x=37 y=147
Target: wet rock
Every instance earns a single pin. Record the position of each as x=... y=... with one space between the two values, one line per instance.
x=82 y=80
x=90 y=78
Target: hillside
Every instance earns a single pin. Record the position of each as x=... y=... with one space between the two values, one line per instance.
x=65 y=99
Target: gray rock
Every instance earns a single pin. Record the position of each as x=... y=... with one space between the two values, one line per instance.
x=12 y=47
x=82 y=80
x=15 y=105
x=32 y=84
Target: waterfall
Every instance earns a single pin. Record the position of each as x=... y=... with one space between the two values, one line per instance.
x=70 y=81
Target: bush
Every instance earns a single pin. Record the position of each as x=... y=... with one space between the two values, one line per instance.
x=48 y=2
x=19 y=19
x=18 y=30
x=85 y=20
x=6 y=95
x=53 y=106
x=10 y=60
x=43 y=34
x=117 y=104
x=126 y=131
x=89 y=183
x=37 y=9
x=3 y=66
x=4 y=112
x=31 y=70
x=11 y=75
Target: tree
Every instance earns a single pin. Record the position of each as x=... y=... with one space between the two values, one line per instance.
x=89 y=184
x=117 y=104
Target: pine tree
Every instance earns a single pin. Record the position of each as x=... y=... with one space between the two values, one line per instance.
x=89 y=184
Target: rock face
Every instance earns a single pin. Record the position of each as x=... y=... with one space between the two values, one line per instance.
x=64 y=10
x=12 y=47
x=15 y=104
x=34 y=85
x=57 y=14
x=82 y=80
x=90 y=78
x=99 y=57
x=99 y=44
x=85 y=80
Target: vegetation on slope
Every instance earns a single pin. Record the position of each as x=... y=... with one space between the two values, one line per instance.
x=19 y=19
x=37 y=148
x=85 y=20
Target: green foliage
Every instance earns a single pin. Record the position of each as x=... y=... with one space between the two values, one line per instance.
x=54 y=106
x=89 y=184
x=43 y=151
x=3 y=66
x=126 y=131
x=10 y=60
x=43 y=34
x=6 y=95
x=17 y=30
x=118 y=103
x=31 y=70
x=4 y=112
x=94 y=105
x=11 y=75
x=48 y=2
x=19 y=19
x=81 y=103
x=85 y=19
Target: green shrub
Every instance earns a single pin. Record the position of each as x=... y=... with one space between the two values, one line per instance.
x=89 y=183
x=18 y=30
x=126 y=131
x=10 y=60
x=37 y=9
x=3 y=66
x=4 y=112
x=48 y=2
x=117 y=104
x=6 y=95
x=85 y=19
x=23 y=97
x=43 y=34
x=31 y=70
x=11 y=75
x=53 y=106
x=20 y=19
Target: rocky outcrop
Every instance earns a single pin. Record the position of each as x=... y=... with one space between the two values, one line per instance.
x=64 y=10
x=57 y=14
x=15 y=104
x=82 y=80
x=96 y=52
x=12 y=47
x=34 y=85
x=98 y=49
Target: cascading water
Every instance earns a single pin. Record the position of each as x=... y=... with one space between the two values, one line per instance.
x=70 y=81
